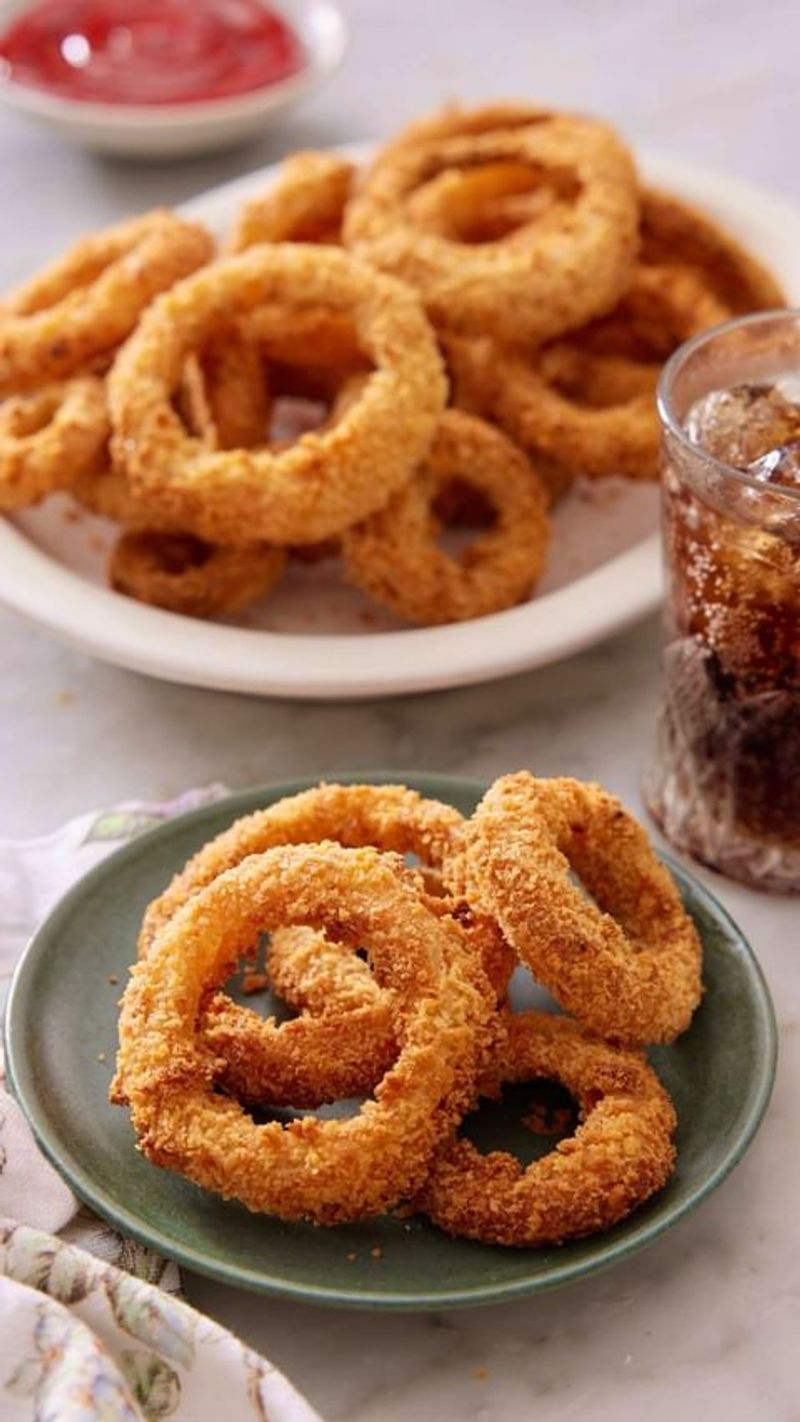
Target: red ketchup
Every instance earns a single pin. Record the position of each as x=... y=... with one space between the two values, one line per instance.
x=149 y=51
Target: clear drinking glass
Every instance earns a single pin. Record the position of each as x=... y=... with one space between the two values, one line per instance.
x=724 y=784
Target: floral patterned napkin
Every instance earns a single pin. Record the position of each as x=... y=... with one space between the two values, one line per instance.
x=91 y=1329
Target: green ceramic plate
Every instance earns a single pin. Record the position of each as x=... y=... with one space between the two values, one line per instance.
x=62 y=1016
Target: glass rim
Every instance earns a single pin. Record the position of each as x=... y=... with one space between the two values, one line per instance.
x=672 y=425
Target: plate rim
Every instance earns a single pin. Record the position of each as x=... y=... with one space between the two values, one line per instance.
x=19 y=1072
x=316 y=667
x=86 y=617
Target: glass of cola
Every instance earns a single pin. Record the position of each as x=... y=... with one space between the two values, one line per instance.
x=724 y=782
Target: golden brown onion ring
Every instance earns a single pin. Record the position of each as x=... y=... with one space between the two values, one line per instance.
x=621 y=1153
x=182 y=574
x=390 y=817
x=105 y=491
x=664 y=306
x=586 y=404
x=222 y=398
x=361 y=1019
x=49 y=437
x=549 y=275
x=394 y=555
x=301 y=1061
x=323 y=1170
x=594 y=415
x=675 y=233
x=628 y=964
x=312 y=974
x=315 y=974
x=309 y=1060
x=306 y=337
x=91 y=298
x=305 y=204
x=325 y=480
x=473 y=365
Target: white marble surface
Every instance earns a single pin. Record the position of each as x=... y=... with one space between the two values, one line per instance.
x=703 y=1324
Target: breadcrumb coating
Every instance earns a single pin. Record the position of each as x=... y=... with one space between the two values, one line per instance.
x=50 y=436
x=326 y=479
x=394 y=555
x=92 y=297
x=306 y=203
x=327 y=1053
x=620 y=1154
x=322 y=1170
x=184 y=575
x=628 y=964
x=549 y=275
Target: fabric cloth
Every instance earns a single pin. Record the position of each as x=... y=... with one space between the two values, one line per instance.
x=83 y=1341
x=90 y=1325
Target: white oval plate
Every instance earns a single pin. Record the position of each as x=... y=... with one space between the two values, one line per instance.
x=315 y=639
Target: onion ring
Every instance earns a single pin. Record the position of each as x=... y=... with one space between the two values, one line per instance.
x=488 y=205
x=594 y=415
x=546 y=277
x=326 y=1171
x=222 y=398
x=586 y=404
x=452 y=121
x=49 y=437
x=479 y=205
x=675 y=233
x=619 y=1156
x=664 y=306
x=394 y=556
x=586 y=410
x=90 y=299
x=628 y=968
x=388 y=817
x=317 y=975
x=325 y=480
x=181 y=574
x=472 y=366
x=343 y=1045
x=305 y=204
x=305 y=1061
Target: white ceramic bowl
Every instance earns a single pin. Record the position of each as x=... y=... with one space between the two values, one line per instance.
x=173 y=130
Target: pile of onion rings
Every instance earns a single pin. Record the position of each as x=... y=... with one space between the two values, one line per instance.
x=398 y=974
x=403 y=366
